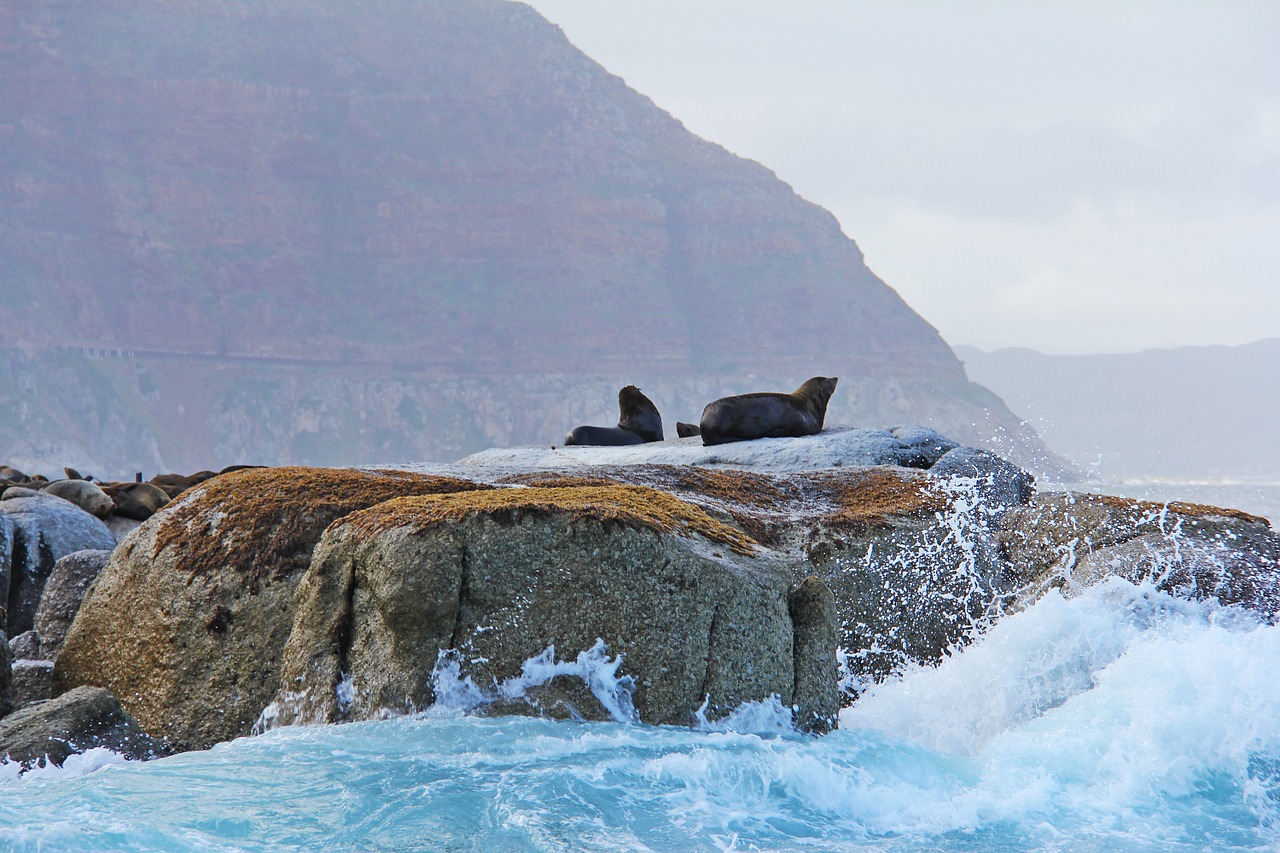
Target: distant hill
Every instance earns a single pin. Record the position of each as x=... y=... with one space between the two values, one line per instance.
x=311 y=231
x=1190 y=412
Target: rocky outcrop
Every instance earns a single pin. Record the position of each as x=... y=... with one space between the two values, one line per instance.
x=187 y=621
x=86 y=718
x=647 y=587
x=501 y=576
x=1072 y=540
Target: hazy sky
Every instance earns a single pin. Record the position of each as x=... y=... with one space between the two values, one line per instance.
x=1071 y=176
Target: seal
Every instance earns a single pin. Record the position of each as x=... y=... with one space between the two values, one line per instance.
x=638 y=423
x=685 y=430
x=768 y=415
x=138 y=501
x=83 y=494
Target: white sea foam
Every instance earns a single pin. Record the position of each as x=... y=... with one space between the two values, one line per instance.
x=456 y=693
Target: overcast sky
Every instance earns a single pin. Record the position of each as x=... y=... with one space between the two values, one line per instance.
x=1069 y=176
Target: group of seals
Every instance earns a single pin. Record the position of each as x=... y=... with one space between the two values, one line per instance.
x=137 y=500
x=738 y=418
x=638 y=423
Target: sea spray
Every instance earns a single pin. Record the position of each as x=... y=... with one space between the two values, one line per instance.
x=913 y=597
x=1122 y=719
x=458 y=693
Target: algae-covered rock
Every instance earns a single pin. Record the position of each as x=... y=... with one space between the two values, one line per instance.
x=697 y=616
x=187 y=620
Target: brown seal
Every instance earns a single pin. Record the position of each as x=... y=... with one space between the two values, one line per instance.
x=138 y=501
x=83 y=494
x=638 y=422
x=685 y=430
x=768 y=415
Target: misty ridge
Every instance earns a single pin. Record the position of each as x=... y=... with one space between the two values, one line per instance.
x=306 y=233
x=1186 y=413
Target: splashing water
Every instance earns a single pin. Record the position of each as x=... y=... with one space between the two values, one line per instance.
x=456 y=693
x=1123 y=719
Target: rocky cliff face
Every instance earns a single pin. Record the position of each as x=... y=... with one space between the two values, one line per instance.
x=415 y=197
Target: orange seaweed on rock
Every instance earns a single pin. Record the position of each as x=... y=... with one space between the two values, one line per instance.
x=631 y=506
x=266 y=520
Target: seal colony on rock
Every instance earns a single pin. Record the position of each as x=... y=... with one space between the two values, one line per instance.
x=638 y=423
x=768 y=415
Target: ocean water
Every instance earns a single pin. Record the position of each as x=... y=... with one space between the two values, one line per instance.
x=1123 y=719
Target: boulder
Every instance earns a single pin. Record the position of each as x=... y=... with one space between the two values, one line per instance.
x=26 y=646
x=6 y=674
x=913 y=570
x=997 y=482
x=120 y=526
x=31 y=682
x=1071 y=540
x=63 y=592
x=187 y=620
x=77 y=721
x=512 y=581
x=44 y=530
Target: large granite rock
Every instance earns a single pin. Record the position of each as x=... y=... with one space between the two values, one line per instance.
x=44 y=529
x=699 y=616
x=187 y=620
x=79 y=720
x=634 y=587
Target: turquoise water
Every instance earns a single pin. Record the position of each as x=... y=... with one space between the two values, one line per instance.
x=1120 y=720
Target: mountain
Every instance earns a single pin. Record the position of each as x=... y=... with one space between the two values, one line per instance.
x=1188 y=412
x=305 y=231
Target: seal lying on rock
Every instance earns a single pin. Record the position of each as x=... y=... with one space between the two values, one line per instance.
x=638 y=422
x=768 y=415
x=83 y=494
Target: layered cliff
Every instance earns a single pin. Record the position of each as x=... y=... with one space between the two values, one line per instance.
x=438 y=191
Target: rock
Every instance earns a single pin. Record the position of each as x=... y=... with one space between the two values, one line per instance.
x=913 y=571
x=1071 y=540
x=697 y=615
x=919 y=446
x=999 y=483
x=77 y=721
x=45 y=529
x=121 y=526
x=83 y=494
x=816 y=697
x=26 y=646
x=187 y=620
x=63 y=592
x=6 y=673
x=32 y=682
